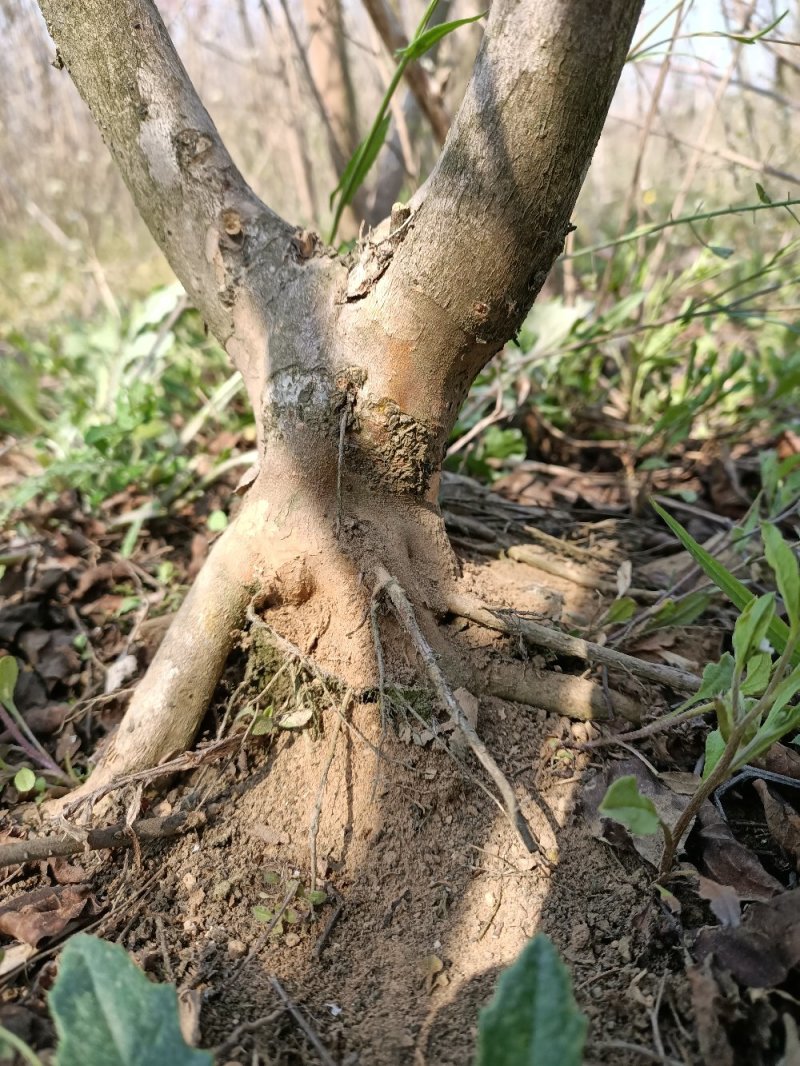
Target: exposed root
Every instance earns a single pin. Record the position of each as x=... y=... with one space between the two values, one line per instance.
x=314 y=827
x=578 y=698
x=122 y=835
x=509 y=622
x=388 y=586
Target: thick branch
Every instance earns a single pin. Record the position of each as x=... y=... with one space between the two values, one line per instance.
x=496 y=210
x=184 y=183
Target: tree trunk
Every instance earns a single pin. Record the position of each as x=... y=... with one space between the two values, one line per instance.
x=355 y=368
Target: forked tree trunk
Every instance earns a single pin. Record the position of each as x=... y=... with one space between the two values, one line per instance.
x=355 y=369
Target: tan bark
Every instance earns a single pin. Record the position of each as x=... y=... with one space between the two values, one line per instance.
x=355 y=368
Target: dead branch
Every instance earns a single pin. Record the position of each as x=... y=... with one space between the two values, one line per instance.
x=389 y=586
x=509 y=622
x=308 y=1032
x=36 y=849
x=579 y=698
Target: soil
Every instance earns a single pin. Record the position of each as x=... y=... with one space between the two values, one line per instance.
x=429 y=893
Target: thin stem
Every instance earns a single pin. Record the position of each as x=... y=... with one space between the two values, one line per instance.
x=12 y=1041
x=17 y=727
x=347 y=192
x=647 y=231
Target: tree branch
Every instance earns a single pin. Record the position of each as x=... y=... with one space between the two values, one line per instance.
x=495 y=212
x=194 y=200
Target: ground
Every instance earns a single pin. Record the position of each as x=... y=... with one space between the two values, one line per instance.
x=428 y=893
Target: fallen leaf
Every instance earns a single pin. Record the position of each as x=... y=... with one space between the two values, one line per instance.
x=13 y=956
x=725 y=904
x=780 y=759
x=430 y=967
x=765 y=947
x=45 y=912
x=706 y=1004
x=730 y=863
x=190 y=1001
x=783 y=821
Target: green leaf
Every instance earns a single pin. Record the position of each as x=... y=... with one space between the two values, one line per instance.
x=737 y=593
x=717 y=679
x=620 y=610
x=762 y=194
x=217 y=521
x=715 y=746
x=787 y=571
x=25 y=780
x=720 y=252
x=759 y=668
x=360 y=162
x=9 y=672
x=107 y=1013
x=532 y=1019
x=316 y=897
x=424 y=41
x=751 y=627
x=624 y=803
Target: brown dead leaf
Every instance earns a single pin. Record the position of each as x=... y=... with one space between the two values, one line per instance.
x=725 y=904
x=783 y=821
x=707 y=1002
x=66 y=872
x=15 y=956
x=765 y=947
x=730 y=863
x=431 y=966
x=780 y=759
x=45 y=912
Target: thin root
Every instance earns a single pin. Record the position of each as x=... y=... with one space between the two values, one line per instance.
x=314 y=827
x=389 y=586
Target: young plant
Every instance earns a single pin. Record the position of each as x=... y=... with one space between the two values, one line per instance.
x=752 y=691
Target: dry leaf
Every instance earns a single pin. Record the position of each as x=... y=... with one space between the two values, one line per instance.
x=730 y=863
x=45 y=912
x=725 y=904
x=783 y=821
x=706 y=1003
x=765 y=947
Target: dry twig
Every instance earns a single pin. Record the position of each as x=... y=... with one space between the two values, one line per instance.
x=405 y=613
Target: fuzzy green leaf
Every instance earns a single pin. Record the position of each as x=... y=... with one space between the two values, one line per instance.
x=751 y=627
x=532 y=1019
x=624 y=803
x=25 y=780
x=107 y=1013
x=715 y=746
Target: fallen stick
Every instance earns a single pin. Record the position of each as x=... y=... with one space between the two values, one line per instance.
x=36 y=849
x=578 y=698
x=389 y=586
x=506 y=621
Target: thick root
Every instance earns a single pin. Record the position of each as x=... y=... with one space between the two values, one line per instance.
x=170 y=701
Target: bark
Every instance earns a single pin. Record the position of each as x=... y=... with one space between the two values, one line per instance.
x=355 y=368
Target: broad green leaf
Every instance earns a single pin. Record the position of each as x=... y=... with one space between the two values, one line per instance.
x=787 y=571
x=25 y=780
x=737 y=593
x=107 y=1013
x=751 y=627
x=424 y=41
x=717 y=679
x=532 y=1019
x=762 y=194
x=784 y=693
x=759 y=668
x=715 y=746
x=9 y=672
x=624 y=803
x=682 y=612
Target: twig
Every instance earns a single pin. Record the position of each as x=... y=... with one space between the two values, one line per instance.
x=405 y=613
x=308 y=1032
x=376 y=640
x=337 y=525
x=189 y=760
x=334 y=918
x=314 y=828
x=31 y=746
x=504 y=621
x=244 y=1029
x=580 y=576
x=36 y=849
x=659 y=726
